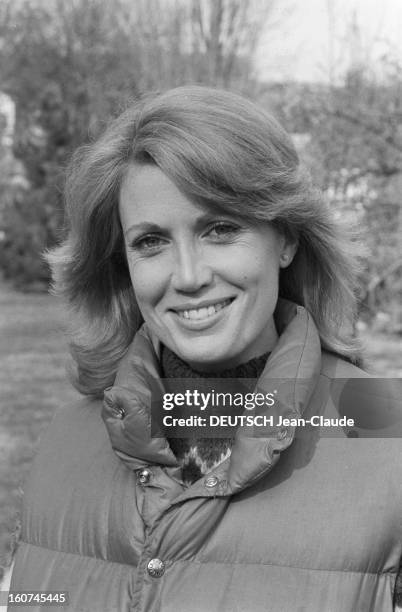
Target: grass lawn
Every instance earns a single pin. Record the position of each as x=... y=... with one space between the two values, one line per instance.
x=33 y=383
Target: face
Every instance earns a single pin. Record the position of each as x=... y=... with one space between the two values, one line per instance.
x=206 y=282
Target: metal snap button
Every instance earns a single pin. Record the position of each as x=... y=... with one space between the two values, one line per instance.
x=156 y=568
x=120 y=412
x=282 y=433
x=144 y=476
x=211 y=482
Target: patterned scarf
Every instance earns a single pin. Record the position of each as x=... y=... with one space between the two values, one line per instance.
x=201 y=455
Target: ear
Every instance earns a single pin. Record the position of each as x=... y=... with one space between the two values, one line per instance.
x=289 y=249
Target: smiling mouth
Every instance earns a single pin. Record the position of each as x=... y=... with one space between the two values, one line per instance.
x=196 y=314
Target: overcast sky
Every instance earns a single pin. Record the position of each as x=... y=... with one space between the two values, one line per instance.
x=312 y=35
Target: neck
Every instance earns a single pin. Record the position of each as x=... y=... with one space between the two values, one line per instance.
x=263 y=346
x=174 y=367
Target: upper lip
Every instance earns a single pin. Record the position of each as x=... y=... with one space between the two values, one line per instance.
x=202 y=304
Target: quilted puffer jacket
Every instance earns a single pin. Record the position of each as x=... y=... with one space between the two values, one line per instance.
x=288 y=523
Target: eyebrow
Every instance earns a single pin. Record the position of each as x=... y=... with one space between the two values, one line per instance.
x=143 y=227
x=154 y=227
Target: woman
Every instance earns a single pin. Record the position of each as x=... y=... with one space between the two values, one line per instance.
x=198 y=249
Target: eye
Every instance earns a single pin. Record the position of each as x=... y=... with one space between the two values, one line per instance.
x=223 y=230
x=149 y=244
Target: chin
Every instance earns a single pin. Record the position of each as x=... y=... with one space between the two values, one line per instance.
x=205 y=357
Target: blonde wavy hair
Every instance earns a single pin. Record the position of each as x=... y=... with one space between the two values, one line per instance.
x=220 y=149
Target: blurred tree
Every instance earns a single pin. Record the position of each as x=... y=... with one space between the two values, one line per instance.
x=225 y=34
x=351 y=138
x=356 y=145
x=69 y=65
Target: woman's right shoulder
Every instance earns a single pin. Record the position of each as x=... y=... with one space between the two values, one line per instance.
x=72 y=421
x=84 y=407
x=71 y=482
x=75 y=438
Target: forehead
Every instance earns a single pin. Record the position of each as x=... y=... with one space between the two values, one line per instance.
x=148 y=193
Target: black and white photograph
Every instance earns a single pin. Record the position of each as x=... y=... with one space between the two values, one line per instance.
x=200 y=305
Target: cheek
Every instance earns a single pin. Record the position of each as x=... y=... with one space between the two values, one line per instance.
x=257 y=271
x=263 y=284
x=148 y=283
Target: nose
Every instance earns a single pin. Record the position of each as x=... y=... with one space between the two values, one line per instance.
x=191 y=272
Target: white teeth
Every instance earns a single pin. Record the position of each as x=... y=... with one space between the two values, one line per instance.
x=202 y=313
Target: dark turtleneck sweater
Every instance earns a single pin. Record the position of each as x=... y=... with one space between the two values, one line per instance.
x=199 y=456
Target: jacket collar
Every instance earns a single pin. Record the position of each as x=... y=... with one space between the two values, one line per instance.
x=293 y=367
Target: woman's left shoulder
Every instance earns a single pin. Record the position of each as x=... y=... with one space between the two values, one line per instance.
x=373 y=403
x=335 y=366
